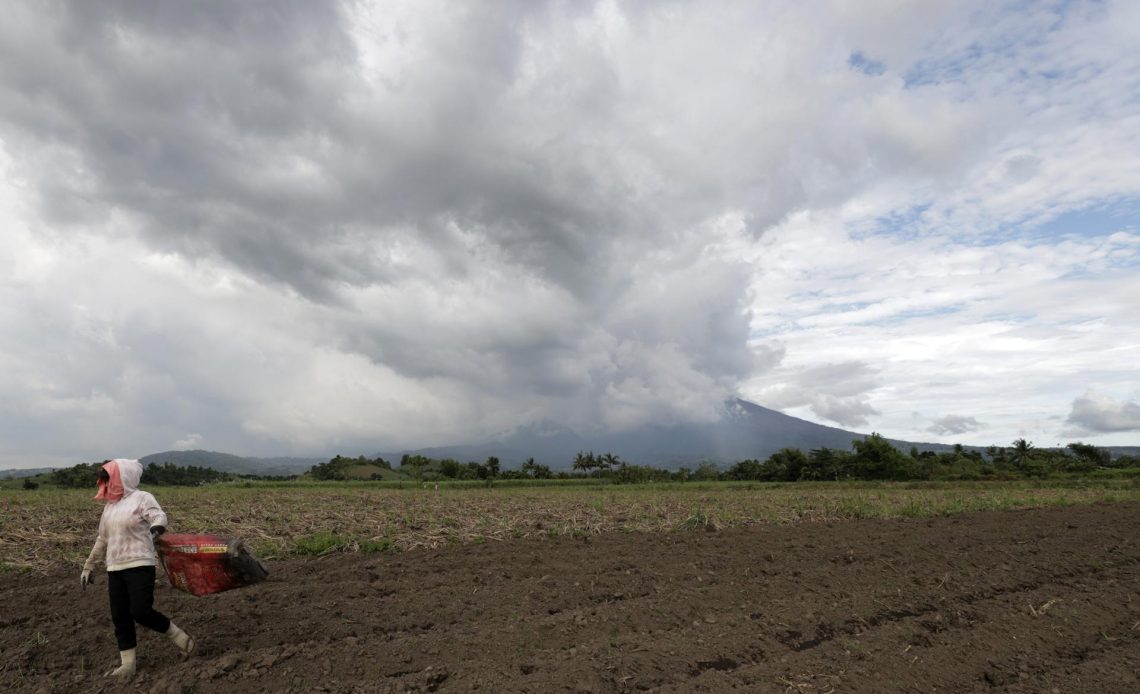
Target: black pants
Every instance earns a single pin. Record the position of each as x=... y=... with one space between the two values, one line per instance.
x=132 y=600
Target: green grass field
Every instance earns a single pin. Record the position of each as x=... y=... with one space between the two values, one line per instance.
x=47 y=527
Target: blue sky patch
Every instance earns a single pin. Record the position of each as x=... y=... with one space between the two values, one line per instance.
x=1098 y=220
x=866 y=65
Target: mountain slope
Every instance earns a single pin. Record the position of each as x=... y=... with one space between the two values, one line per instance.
x=746 y=430
x=225 y=462
x=17 y=473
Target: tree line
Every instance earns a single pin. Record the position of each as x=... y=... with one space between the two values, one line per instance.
x=164 y=475
x=870 y=458
x=875 y=458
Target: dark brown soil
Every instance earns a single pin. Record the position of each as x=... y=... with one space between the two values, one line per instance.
x=1043 y=600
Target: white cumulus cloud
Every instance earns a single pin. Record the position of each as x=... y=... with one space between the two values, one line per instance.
x=1097 y=413
x=955 y=424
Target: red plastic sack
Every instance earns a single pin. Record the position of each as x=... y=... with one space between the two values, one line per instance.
x=204 y=564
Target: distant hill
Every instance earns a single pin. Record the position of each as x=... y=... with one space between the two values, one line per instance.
x=222 y=462
x=226 y=462
x=746 y=430
x=17 y=473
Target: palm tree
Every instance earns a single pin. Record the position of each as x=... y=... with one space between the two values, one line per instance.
x=1021 y=453
x=585 y=461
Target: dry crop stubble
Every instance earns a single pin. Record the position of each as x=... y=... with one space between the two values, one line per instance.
x=45 y=528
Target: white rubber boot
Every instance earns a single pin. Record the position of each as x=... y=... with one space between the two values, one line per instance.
x=184 y=641
x=127 y=669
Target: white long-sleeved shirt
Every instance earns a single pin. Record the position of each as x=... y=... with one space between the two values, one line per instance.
x=123 y=540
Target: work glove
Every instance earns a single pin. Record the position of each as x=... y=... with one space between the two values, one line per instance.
x=155 y=531
x=86 y=578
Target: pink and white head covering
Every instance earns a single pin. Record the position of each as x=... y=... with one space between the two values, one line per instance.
x=122 y=476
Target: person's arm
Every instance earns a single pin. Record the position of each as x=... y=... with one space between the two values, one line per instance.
x=155 y=517
x=99 y=551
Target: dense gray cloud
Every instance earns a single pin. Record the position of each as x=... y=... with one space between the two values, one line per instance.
x=264 y=134
x=955 y=424
x=471 y=207
x=1097 y=413
x=284 y=227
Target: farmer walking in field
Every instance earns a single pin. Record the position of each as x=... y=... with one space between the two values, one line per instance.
x=131 y=523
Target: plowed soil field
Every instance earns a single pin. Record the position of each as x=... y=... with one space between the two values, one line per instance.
x=1042 y=600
